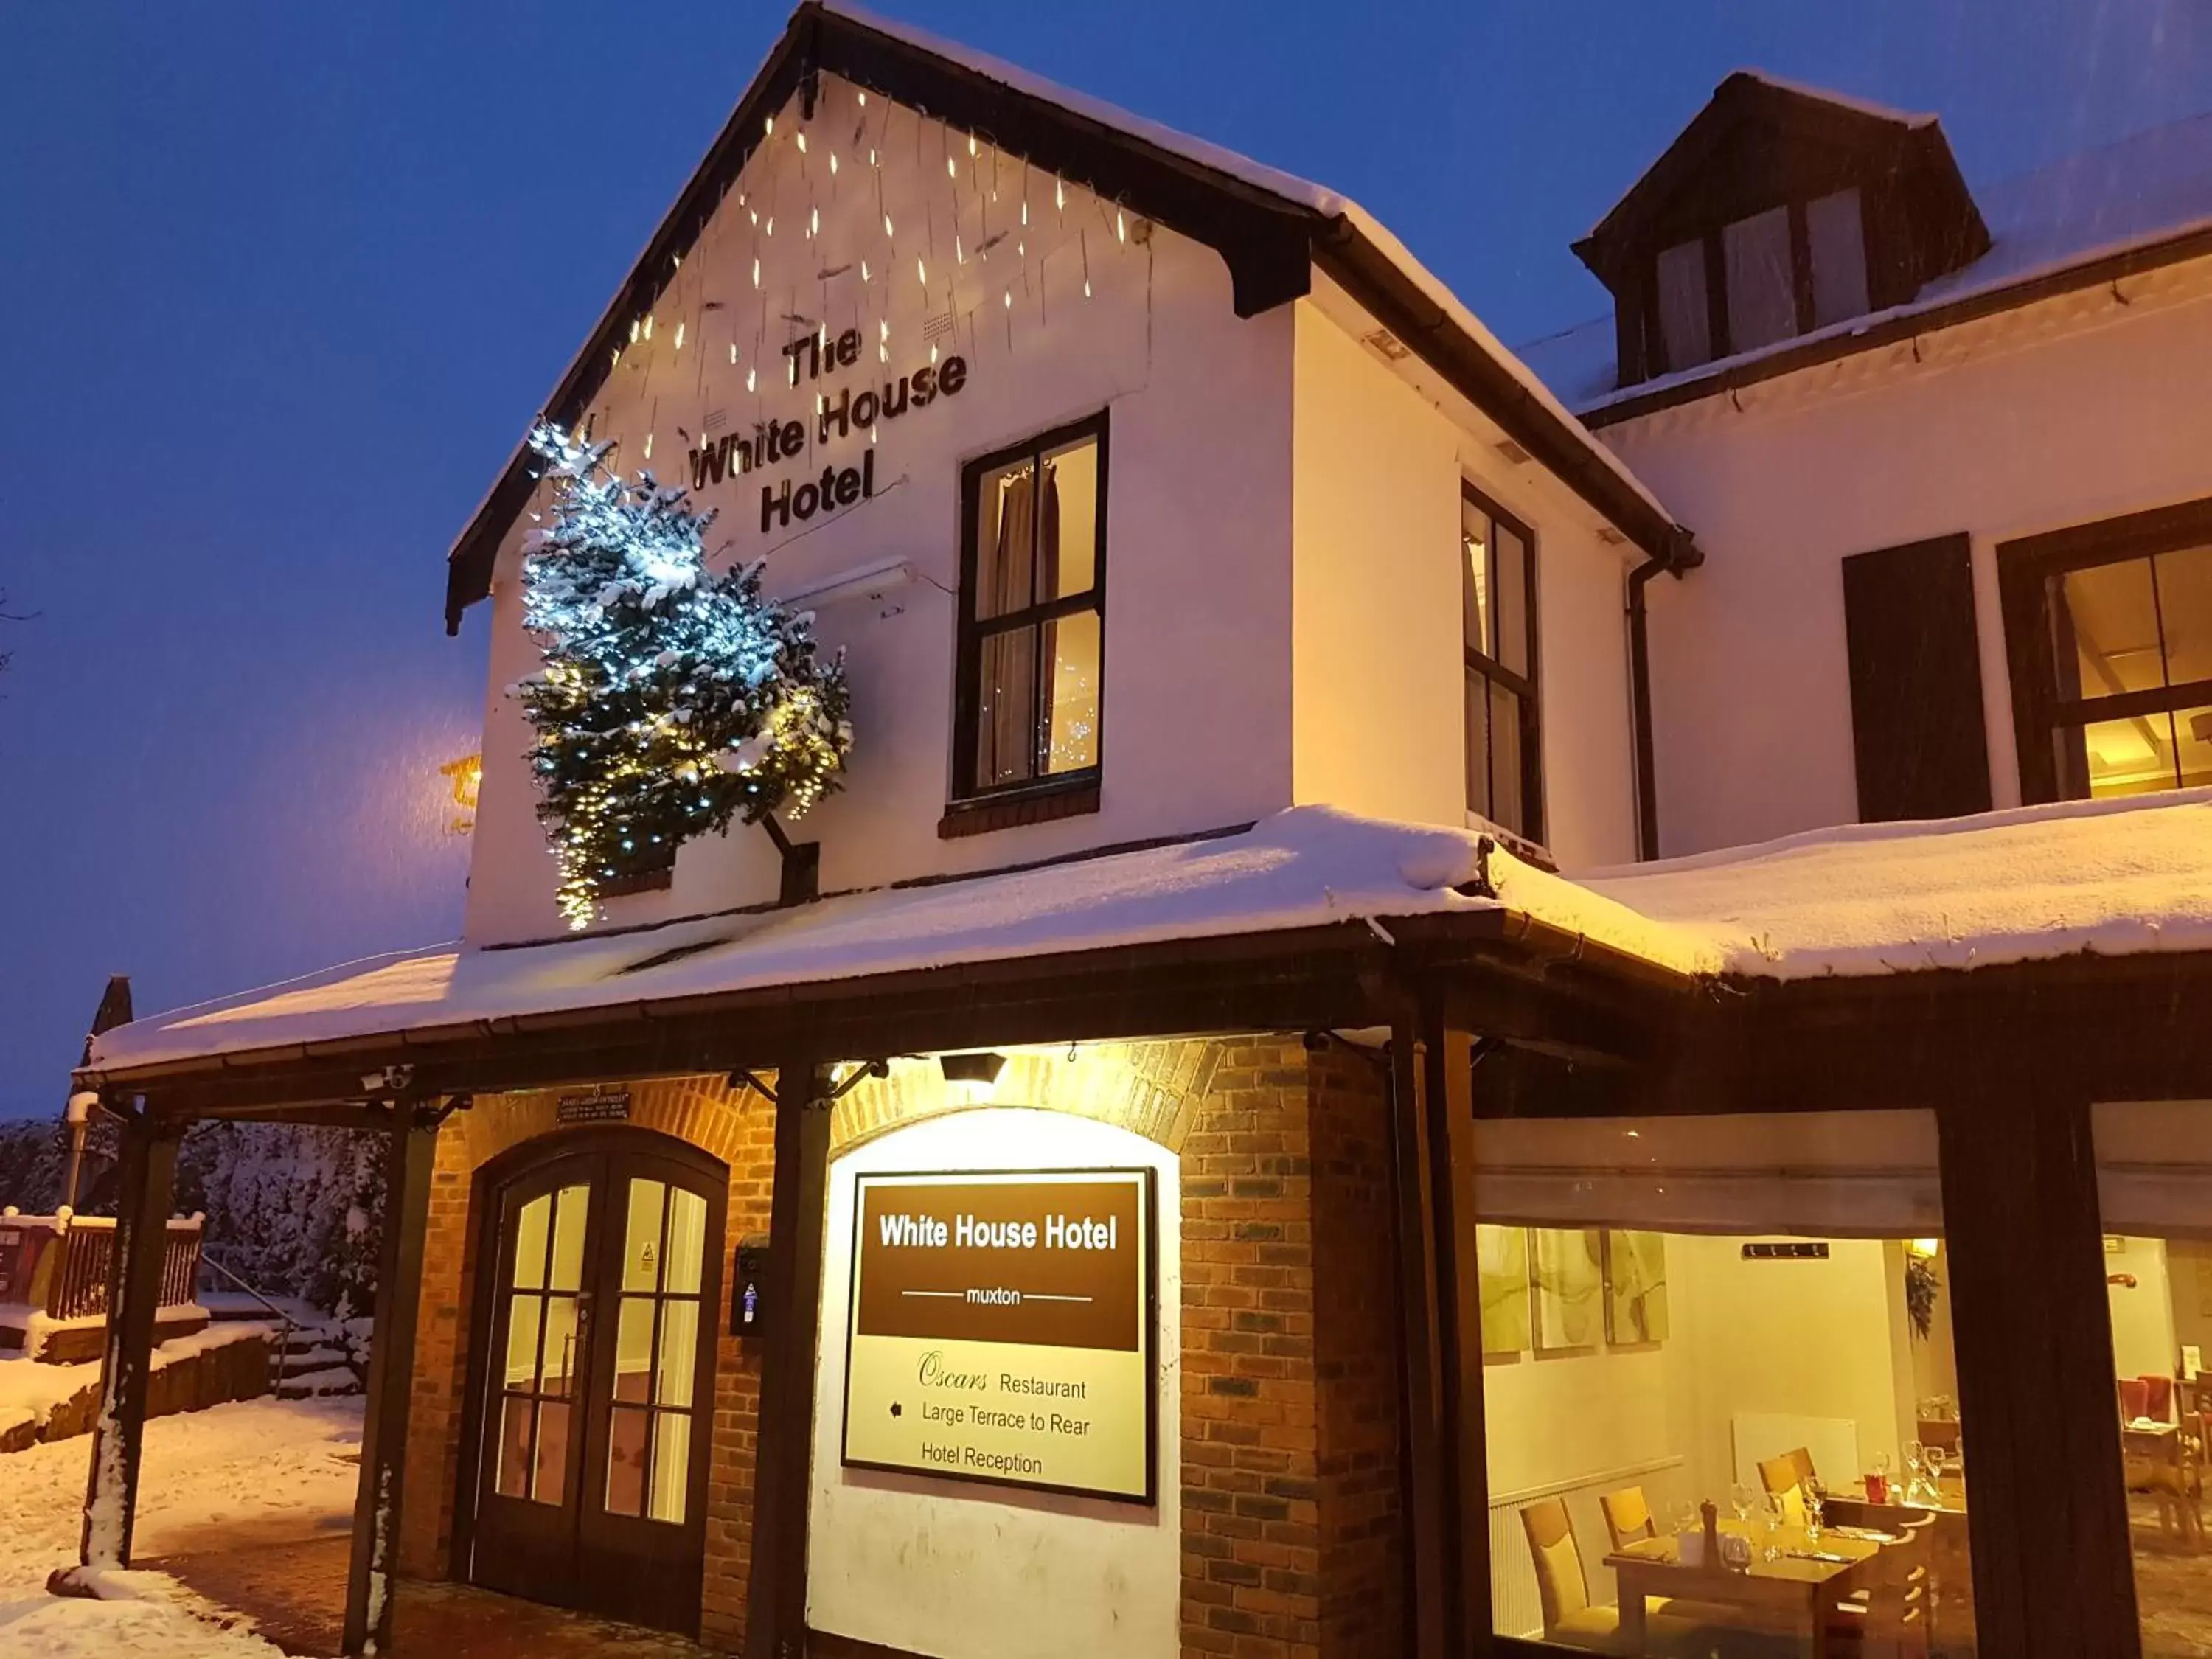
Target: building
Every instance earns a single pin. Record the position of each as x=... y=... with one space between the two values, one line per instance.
x=1335 y=1201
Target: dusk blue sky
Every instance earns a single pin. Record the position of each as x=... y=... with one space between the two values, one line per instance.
x=283 y=285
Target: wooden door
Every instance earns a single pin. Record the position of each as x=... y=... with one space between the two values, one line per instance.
x=598 y=1352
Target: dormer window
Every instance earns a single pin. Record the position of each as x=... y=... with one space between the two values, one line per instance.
x=1781 y=272
x=1779 y=210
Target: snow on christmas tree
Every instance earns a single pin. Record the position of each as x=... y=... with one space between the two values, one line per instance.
x=672 y=699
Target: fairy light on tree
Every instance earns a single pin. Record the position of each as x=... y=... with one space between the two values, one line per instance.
x=672 y=699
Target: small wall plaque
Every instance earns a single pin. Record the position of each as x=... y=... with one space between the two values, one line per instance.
x=600 y=1104
x=1813 y=1250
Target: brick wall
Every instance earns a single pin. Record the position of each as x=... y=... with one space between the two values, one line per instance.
x=1290 y=1430
x=1291 y=1534
x=737 y=1128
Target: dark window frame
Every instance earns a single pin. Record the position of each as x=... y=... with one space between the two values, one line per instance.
x=972 y=806
x=1481 y=664
x=1719 y=336
x=2025 y=567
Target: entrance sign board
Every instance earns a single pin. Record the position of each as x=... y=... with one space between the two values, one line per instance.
x=1001 y=1329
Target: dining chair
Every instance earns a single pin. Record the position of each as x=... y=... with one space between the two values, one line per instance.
x=2158 y=1397
x=1780 y=1476
x=2169 y=1468
x=1627 y=1516
x=1561 y=1587
x=2134 y=1400
x=1802 y=1457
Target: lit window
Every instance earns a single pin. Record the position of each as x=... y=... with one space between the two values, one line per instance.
x=1497 y=564
x=1751 y=1313
x=1032 y=618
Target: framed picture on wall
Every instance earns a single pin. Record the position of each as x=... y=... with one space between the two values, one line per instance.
x=1568 y=1287
x=1501 y=1263
x=1635 y=1286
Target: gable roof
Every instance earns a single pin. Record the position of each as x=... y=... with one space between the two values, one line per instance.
x=1270 y=228
x=2083 y=220
x=1910 y=145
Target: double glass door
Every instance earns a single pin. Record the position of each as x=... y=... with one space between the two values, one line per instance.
x=596 y=1381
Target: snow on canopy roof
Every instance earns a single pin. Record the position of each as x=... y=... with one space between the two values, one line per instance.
x=2155 y=187
x=2109 y=877
x=1308 y=866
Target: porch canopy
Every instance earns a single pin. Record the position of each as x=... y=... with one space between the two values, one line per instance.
x=1311 y=917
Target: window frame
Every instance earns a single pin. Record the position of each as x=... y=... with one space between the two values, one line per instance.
x=970 y=805
x=1481 y=664
x=1720 y=337
x=2024 y=569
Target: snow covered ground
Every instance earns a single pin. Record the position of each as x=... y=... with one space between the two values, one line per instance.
x=258 y=1464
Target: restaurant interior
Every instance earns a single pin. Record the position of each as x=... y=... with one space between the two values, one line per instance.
x=1721 y=1392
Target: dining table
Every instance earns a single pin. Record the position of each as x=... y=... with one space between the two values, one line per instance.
x=1810 y=1573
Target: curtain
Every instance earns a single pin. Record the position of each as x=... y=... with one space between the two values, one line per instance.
x=1022 y=570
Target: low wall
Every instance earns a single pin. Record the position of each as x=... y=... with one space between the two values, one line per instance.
x=190 y=1374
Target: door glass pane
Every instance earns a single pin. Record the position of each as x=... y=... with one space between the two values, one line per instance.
x=1507 y=810
x=530 y=1243
x=558 y=1370
x=2126 y=757
x=2154 y=1195
x=2184 y=603
x=1762 y=295
x=1070 y=734
x=569 y=1216
x=679 y=1352
x=1006 y=704
x=1685 y=327
x=552 y=1467
x=2104 y=621
x=641 y=1239
x=1478 y=744
x=1474 y=585
x=634 y=1351
x=522 y=1321
x=1067 y=548
x=1836 y=237
x=513 y=1480
x=687 y=1241
x=1749 y=1311
x=1005 y=540
x=629 y=1428
x=1512 y=566
x=671 y=1465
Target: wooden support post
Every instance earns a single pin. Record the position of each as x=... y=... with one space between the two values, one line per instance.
x=145 y=1174
x=2048 y=1526
x=1446 y=1477
x=411 y=1143
x=783 y=1475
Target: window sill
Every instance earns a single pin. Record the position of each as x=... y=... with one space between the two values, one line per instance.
x=986 y=813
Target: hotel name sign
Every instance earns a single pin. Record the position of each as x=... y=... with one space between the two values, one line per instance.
x=845 y=406
x=1001 y=1329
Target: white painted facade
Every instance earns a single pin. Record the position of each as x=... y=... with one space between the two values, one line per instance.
x=1281 y=531
x=2066 y=411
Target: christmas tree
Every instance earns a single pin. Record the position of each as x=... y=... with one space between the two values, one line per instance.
x=672 y=698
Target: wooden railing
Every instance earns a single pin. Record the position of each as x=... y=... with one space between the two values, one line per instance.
x=59 y=1264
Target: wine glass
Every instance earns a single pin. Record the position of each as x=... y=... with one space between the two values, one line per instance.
x=1775 y=1516
x=1815 y=1496
x=1935 y=1457
x=1742 y=1500
x=1882 y=1467
x=1916 y=1459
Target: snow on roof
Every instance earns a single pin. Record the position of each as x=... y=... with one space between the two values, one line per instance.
x=2112 y=878
x=1840 y=100
x=1308 y=866
x=2134 y=193
x=1302 y=192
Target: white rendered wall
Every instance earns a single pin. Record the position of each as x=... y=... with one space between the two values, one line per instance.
x=2076 y=409
x=1196 y=710
x=943 y=1567
x=1378 y=664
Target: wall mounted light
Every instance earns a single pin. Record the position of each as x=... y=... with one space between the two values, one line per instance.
x=978 y=1069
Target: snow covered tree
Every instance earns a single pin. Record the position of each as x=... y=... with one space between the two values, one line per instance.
x=672 y=699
